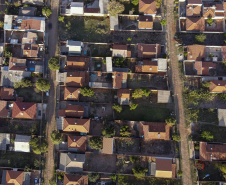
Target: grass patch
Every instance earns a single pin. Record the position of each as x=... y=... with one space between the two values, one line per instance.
x=130 y=7
x=208 y=115
x=29 y=95
x=144 y=113
x=99 y=50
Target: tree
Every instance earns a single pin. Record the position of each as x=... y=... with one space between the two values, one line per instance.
x=87 y=91
x=206 y=135
x=54 y=63
x=115 y=8
x=133 y=159
x=163 y=22
x=43 y=84
x=108 y=131
x=38 y=147
x=46 y=11
x=1 y=24
x=93 y=177
x=138 y=93
x=139 y=171
x=24 y=83
x=125 y=131
x=206 y=84
x=146 y=92
x=113 y=177
x=56 y=137
x=96 y=142
x=171 y=121
x=210 y=21
x=7 y=52
x=200 y=38
x=133 y=106
x=158 y=3
x=117 y=107
x=135 y=2
x=38 y=163
x=222 y=167
x=179 y=173
x=176 y=137
x=61 y=18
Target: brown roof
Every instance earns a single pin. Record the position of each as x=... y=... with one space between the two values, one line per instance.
x=224 y=52
x=123 y=93
x=163 y=164
x=198 y=67
x=119 y=46
x=29 y=37
x=91 y=10
x=194 y=1
x=31 y=24
x=72 y=111
x=78 y=142
x=149 y=50
x=147 y=6
x=71 y=93
x=195 y=24
x=24 y=110
x=118 y=79
x=70 y=179
x=206 y=66
x=148 y=66
x=76 y=78
x=208 y=12
x=17 y=64
x=3 y=109
x=14 y=177
x=6 y=93
x=218 y=151
x=30 y=50
x=76 y=125
x=196 y=52
x=224 y=8
x=217 y=86
x=145 y=22
x=108 y=145
x=77 y=63
x=193 y=10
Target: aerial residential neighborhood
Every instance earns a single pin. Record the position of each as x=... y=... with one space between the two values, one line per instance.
x=113 y=92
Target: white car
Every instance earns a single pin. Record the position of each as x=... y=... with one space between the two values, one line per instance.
x=36 y=181
x=47 y=93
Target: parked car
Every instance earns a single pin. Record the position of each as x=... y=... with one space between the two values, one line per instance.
x=47 y=93
x=36 y=181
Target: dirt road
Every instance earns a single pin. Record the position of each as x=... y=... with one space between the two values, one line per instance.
x=176 y=86
x=51 y=123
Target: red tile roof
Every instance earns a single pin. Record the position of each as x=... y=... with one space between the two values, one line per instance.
x=118 y=79
x=14 y=177
x=76 y=78
x=119 y=47
x=17 y=64
x=24 y=110
x=77 y=63
x=218 y=86
x=149 y=50
x=206 y=66
x=6 y=93
x=72 y=111
x=148 y=6
x=78 y=142
x=3 y=109
x=163 y=164
x=71 y=93
x=76 y=125
x=31 y=24
x=196 y=52
x=195 y=24
x=30 y=50
x=70 y=179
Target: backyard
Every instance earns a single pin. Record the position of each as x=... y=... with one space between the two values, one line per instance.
x=127 y=145
x=100 y=50
x=29 y=94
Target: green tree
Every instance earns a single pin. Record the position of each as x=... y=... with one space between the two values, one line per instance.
x=61 y=18
x=87 y=91
x=96 y=143
x=46 y=11
x=171 y=121
x=176 y=137
x=206 y=135
x=146 y=92
x=222 y=167
x=1 y=24
x=179 y=173
x=24 y=83
x=37 y=146
x=38 y=163
x=158 y=3
x=7 y=52
x=42 y=84
x=133 y=159
x=210 y=21
x=56 y=137
x=117 y=108
x=138 y=93
x=125 y=131
x=200 y=38
x=108 y=131
x=163 y=22
x=133 y=106
x=93 y=177
x=129 y=39
x=54 y=63
x=113 y=177
x=115 y=8
x=135 y=2
x=139 y=171
x=206 y=84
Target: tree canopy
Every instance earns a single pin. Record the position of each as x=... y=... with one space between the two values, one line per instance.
x=93 y=177
x=171 y=121
x=46 y=11
x=115 y=7
x=96 y=142
x=54 y=63
x=200 y=38
x=139 y=171
x=56 y=137
x=117 y=107
x=42 y=84
x=24 y=83
x=133 y=106
x=163 y=22
x=206 y=135
x=87 y=91
x=108 y=131
x=125 y=131
x=38 y=147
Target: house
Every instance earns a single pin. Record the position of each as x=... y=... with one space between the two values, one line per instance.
x=145 y=22
x=196 y=52
x=221 y=117
x=76 y=125
x=35 y=2
x=119 y=50
x=217 y=86
x=77 y=78
x=195 y=24
x=6 y=93
x=77 y=63
x=74 y=47
x=149 y=50
x=70 y=179
x=71 y=93
x=30 y=50
x=4 y=141
x=24 y=110
x=27 y=11
x=72 y=111
x=123 y=96
x=148 y=7
x=4 y=110
x=76 y=143
x=212 y=151
x=194 y=8
x=163 y=96
x=164 y=168
x=108 y=145
x=154 y=130
x=29 y=38
x=72 y=8
x=114 y=23
x=17 y=64
x=10 y=177
x=71 y=162
x=119 y=80
x=21 y=143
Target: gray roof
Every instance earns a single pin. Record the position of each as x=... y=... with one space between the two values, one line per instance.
x=153 y=169
x=222 y=117
x=74 y=43
x=119 y=69
x=22 y=138
x=4 y=140
x=164 y=96
x=27 y=11
x=38 y=2
x=123 y=101
x=114 y=23
x=101 y=84
x=162 y=64
x=109 y=64
x=60 y=123
x=103 y=4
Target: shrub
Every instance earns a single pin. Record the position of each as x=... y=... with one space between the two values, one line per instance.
x=133 y=106
x=158 y=3
x=113 y=177
x=38 y=163
x=139 y=171
x=95 y=143
x=117 y=108
x=108 y=131
x=179 y=173
x=135 y=2
x=38 y=147
x=56 y=137
x=61 y=18
x=163 y=22
x=146 y=92
x=171 y=121
x=46 y=11
x=93 y=177
x=138 y=93
x=43 y=84
x=200 y=165
x=176 y=137
x=206 y=84
x=206 y=135
x=104 y=61
x=87 y=91
x=200 y=38
x=222 y=167
x=24 y=83
x=54 y=63
x=210 y=21
x=115 y=8
x=1 y=24
x=7 y=52
x=125 y=131
x=129 y=39
x=133 y=159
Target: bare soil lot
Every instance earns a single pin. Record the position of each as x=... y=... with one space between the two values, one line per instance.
x=127 y=145
x=30 y=95
x=96 y=128
x=103 y=110
x=100 y=163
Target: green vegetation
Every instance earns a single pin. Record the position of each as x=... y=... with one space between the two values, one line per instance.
x=159 y=3
x=1 y=24
x=38 y=147
x=179 y=173
x=42 y=84
x=46 y=11
x=38 y=163
x=200 y=38
x=117 y=108
x=222 y=167
x=119 y=62
x=115 y=8
x=24 y=83
x=56 y=137
x=113 y=177
x=210 y=21
x=54 y=63
x=87 y=91
x=207 y=136
x=8 y=52
x=139 y=171
x=133 y=159
x=146 y=92
x=61 y=18
x=206 y=84
x=133 y=106
x=176 y=137
x=108 y=131
x=163 y=22
x=171 y=121
x=129 y=39
x=93 y=177
x=125 y=131
x=96 y=143
x=138 y=93
x=135 y=2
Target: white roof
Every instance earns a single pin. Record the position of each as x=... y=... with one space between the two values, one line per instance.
x=74 y=46
x=77 y=8
x=162 y=64
x=114 y=22
x=109 y=64
x=21 y=143
x=164 y=96
x=222 y=117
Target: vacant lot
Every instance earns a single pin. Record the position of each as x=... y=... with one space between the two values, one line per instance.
x=96 y=128
x=100 y=163
x=127 y=145
x=100 y=50
x=208 y=115
x=29 y=95
x=103 y=110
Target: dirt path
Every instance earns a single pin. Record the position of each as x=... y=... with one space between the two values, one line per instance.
x=51 y=123
x=176 y=86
